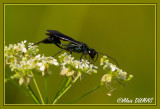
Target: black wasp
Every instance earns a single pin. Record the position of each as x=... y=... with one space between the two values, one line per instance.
x=55 y=37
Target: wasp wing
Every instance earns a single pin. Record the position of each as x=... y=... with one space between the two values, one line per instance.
x=59 y=35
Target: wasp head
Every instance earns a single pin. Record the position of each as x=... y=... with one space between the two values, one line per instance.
x=92 y=53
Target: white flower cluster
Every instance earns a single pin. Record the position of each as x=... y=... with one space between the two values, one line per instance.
x=71 y=67
x=23 y=60
x=113 y=72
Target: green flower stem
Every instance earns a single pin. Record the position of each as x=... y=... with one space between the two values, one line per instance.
x=46 y=89
x=64 y=87
x=33 y=97
x=68 y=82
x=82 y=96
x=60 y=88
x=18 y=86
x=37 y=89
x=11 y=77
x=32 y=94
x=63 y=92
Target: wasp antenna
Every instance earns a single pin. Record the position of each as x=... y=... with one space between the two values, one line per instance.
x=110 y=58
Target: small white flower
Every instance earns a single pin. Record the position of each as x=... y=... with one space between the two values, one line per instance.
x=77 y=64
x=38 y=56
x=21 y=80
x=10 y=46
x=94 y=71
x=70 y=73
x=93 y=66
x=43 y=73
x=41 y=66
x=129 y=78
x=28 y=80
x=113 y=67
x=23 y=49
x=55 y=63
x=85 y=64
x=68 y=60
x=24 y=41
x=64 y=71
x=122 y=74
x=63 y=64
x=15 y=47
x=105 y=66
x=106 y=78
x=109 y=94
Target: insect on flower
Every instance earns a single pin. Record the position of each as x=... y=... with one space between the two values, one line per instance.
x=56 y=37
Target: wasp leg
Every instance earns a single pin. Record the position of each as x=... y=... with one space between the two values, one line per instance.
x=50 y=40
x=81 y=57
x=47 y=40
x=71 y=52
x=96 y=57
x=57 y=53
x=86 y=57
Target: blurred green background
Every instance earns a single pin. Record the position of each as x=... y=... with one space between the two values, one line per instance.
x=125 y=32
